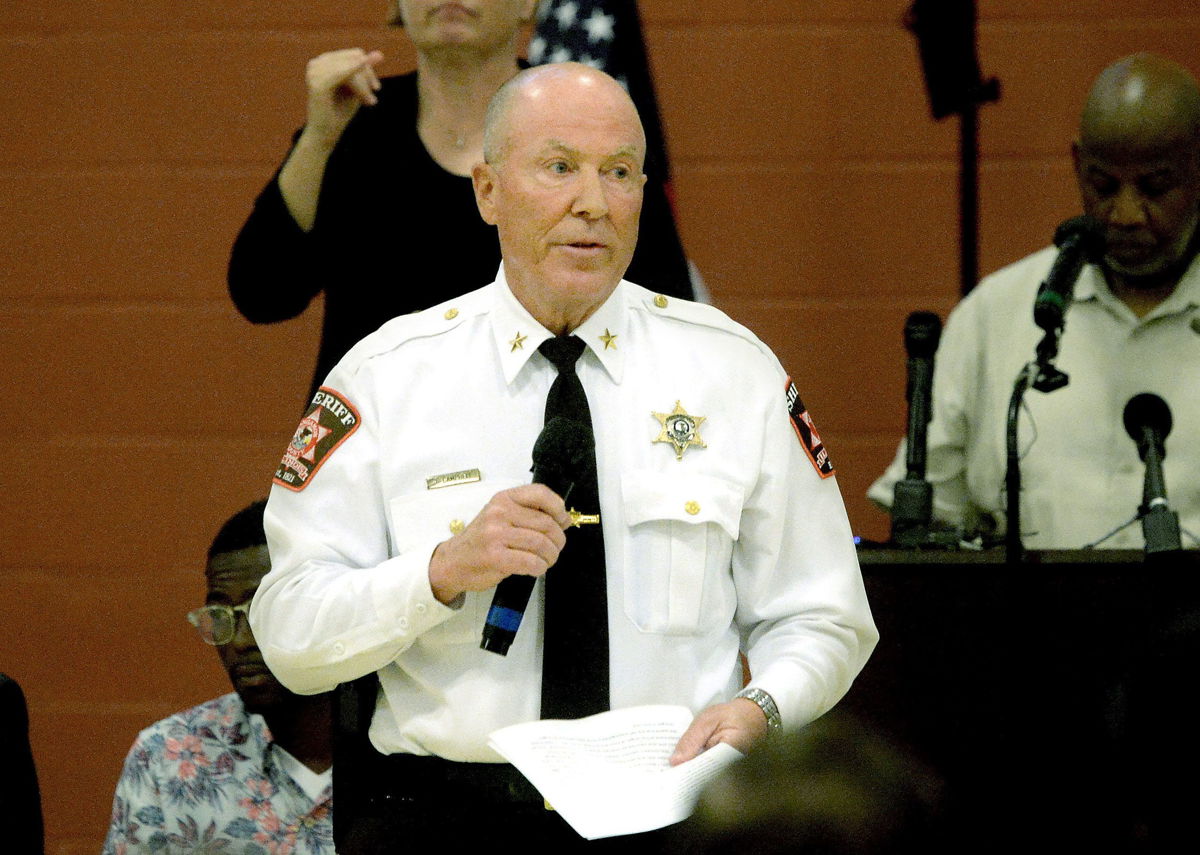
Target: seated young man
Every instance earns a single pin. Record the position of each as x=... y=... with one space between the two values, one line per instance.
x=246 y=772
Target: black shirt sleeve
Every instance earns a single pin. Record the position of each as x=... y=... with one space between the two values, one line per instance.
x=271 y=272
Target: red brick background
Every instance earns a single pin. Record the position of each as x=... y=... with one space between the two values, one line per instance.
x=814 y=192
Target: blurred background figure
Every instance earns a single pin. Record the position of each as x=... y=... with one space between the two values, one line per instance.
x=20 y=798
x=836 y=787
x=249 y=769
x=373 y=205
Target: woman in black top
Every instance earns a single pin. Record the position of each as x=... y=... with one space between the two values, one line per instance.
x=374 y=204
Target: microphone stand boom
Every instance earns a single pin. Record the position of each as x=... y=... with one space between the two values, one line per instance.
x=1043 y=376
x=1079 y=239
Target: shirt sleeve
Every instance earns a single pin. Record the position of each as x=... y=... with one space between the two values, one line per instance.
x=802 y=608
x=138 y=820
x=271 y=274
x=336 y=604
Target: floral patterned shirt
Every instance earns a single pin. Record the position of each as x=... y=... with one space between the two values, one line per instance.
x=206 y=781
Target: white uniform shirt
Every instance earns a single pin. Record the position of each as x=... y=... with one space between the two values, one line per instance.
x=741 y=541
x=1081 y=476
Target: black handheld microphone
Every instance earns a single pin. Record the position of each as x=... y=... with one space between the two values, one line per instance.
x=912 y=497
x=1148 y=421
x=560 y=451
x=922 y=332
x=1079 y=239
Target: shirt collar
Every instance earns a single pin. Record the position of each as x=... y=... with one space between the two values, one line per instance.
x=257 y=726
x=517 y=334
x=1093 y=286
x=258 y=732
x=1186 y=294
x=1090 y=281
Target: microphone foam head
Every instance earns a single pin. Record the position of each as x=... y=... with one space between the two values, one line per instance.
x=1147 y=410
x=1085 y=231
x=922 y=331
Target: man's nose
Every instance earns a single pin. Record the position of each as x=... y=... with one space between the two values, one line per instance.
x=1128 y=209
x=591 y=200
x=243 y=635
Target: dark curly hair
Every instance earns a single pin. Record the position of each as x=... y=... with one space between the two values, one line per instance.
x=243 y=530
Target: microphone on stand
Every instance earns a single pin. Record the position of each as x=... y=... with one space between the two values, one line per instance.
x=1079 y=240
x=559 y=452
x=912 y=497
x=1148 y=421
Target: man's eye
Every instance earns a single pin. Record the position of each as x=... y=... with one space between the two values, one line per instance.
x=1156 y=187
x=620 y=172
x=559 y=167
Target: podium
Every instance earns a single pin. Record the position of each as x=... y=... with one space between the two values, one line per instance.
x=1057 y=699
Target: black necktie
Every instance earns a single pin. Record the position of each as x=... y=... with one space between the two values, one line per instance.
x=575 y=645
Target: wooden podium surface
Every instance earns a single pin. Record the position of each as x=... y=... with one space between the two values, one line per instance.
x=1053 y=697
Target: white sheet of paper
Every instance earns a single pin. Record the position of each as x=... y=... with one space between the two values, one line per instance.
x=609 y=774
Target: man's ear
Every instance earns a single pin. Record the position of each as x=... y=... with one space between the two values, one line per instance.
x=483 y=180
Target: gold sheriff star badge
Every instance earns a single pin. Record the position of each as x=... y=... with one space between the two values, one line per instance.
x=680 y=429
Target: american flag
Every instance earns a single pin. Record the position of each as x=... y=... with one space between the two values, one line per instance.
x=605 y=34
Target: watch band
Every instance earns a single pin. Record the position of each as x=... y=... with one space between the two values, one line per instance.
x=766 y=703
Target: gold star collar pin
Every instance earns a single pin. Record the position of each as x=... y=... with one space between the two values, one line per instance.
x=680 y=429
x=518 y=343
x=610 y=340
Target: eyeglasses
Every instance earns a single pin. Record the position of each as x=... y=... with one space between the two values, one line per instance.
x=217 y=625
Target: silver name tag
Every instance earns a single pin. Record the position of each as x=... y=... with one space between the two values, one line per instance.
x=451 y=479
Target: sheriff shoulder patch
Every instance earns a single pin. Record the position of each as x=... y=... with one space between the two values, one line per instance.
x=329 y=422
x=807 y=431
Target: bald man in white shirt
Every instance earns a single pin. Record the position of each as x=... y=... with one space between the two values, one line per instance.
x=723 y=527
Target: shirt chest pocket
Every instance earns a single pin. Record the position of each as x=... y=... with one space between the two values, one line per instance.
x=681 y=531
x=417 y=518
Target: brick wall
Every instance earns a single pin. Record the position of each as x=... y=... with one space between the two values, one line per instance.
x=814 y=192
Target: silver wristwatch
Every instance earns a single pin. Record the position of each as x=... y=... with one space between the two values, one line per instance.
x=766 y=703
